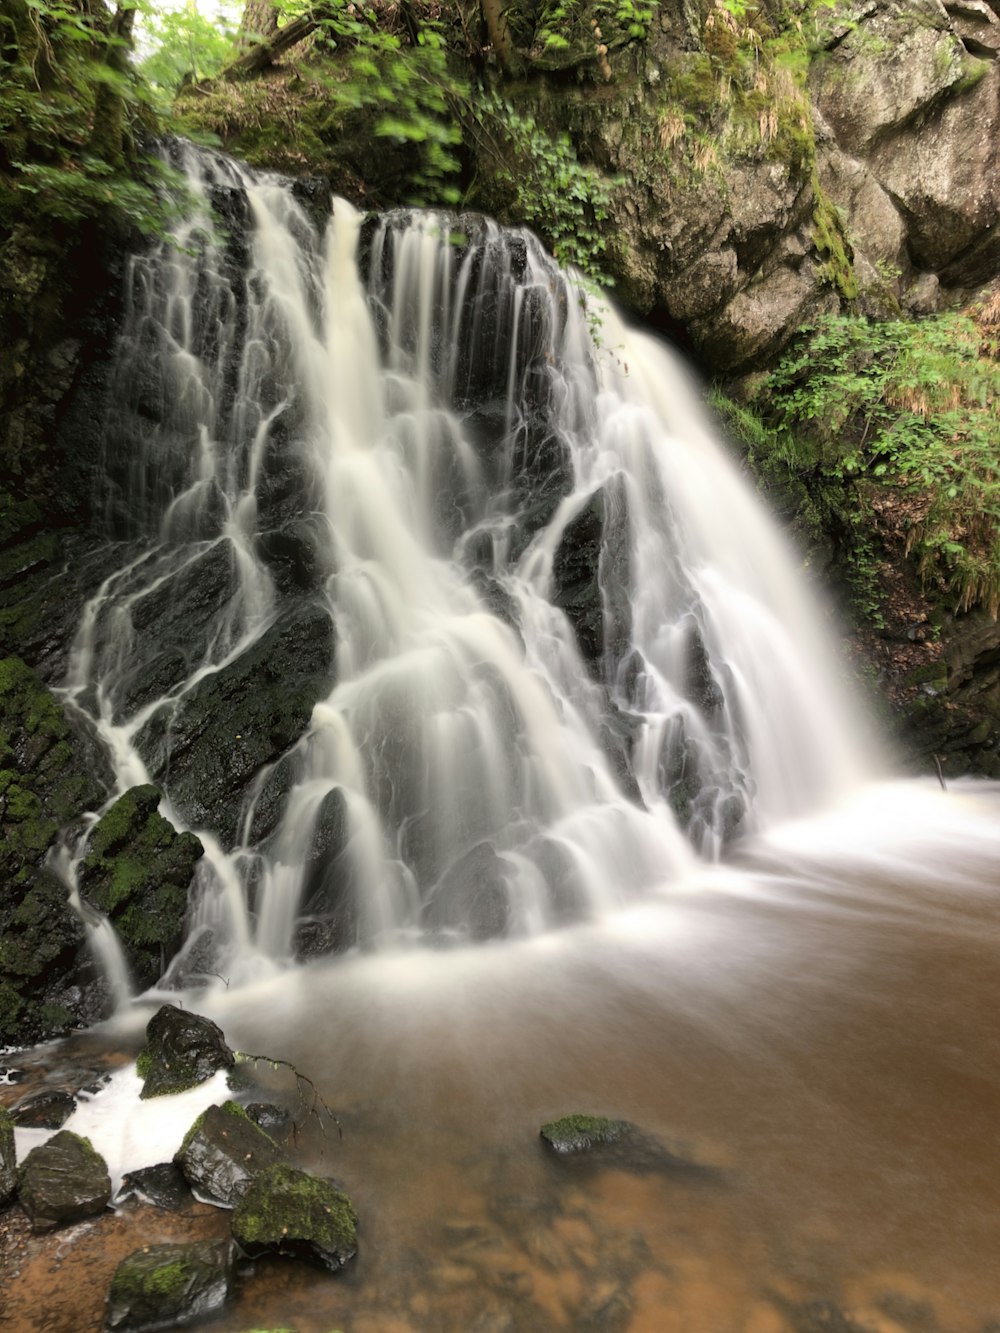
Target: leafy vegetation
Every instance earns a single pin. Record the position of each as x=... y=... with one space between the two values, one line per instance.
x=905 y=413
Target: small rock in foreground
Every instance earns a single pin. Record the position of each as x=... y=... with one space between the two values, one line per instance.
x=49 y=1109
x=167 y=1286
x=181 y=1051
x=577 y=1133
x=8 y=1159
x=286 y=1211
x=222 y=1152
x=63 y=1181
x=162 y=1185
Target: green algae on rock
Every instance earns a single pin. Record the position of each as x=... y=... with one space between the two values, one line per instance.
x=63 y=1180
x=167 y=1286
x=182 y=1050
x=287 y=1211
x=577 y=1133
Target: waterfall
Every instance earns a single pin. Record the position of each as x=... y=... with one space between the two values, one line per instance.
x=553 y=650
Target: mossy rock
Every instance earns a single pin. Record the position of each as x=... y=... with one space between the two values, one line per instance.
x=577 y=1133
x=137 y=871
x=223 y=1152
x=182 y=1050
x=287 y=1211
x=620 y=1144
x=8 y=1159
x=64 y=1180
x=169 y=1286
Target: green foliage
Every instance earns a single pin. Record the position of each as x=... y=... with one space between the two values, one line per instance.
x=909 y=408
x=183 y=44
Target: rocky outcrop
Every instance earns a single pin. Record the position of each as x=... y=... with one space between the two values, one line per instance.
x=50 y=773
x=137 y=872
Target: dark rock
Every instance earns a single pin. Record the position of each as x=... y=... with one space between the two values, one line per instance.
x=472 y=896
x=8 y=1159
x=590 y=577
x=162 y=1185
x=49 y=1109
x=273 y=1120
x=223 y=1151
x=137 y=871
x=618 y=1143
x=237 y=721
x=168 y=1286
x=182 y=1050
x=286 y=1211
x=63 y=1181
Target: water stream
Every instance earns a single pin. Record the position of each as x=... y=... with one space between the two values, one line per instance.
x=580 y=794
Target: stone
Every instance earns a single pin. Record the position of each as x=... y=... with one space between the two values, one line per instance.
x=275 y=1121
x=168 y=1286
x=286 y=1211
x=223 y=1151
x=620 y=1144
x=162 y=1185
x=49 y=1109
x=63 y=1181
x=8 y=1159
x=137 y=872
x=182 y=1050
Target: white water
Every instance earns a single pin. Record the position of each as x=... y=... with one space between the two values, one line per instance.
x=445 y=424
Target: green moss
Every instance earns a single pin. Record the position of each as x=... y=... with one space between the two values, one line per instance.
x=196 y=1125
x=284 y=1205
x=836 y=255
x=575 y=1132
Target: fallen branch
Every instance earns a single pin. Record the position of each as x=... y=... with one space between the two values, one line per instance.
x=264 y=54
x=247 y=1058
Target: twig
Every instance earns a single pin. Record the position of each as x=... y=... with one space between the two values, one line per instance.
x=300 y=1078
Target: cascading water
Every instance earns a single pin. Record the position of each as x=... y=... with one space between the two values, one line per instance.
x=558 y=640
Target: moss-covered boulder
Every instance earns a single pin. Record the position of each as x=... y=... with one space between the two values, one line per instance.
x=8 y=1159
x=137 y=871
x=50 y=774
x=63 y=1181
x=182 y=1050
x=223 y=1151
x=286 y=1211
x=168 y=1286
x=578 y=1133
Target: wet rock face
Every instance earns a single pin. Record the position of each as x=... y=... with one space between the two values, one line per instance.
x=235 y=722
x=286 y=1211
x=162 y=1185
x=222 y=1153
x=49 y=1109
x=182 y=1050
x=49 y=775
x=137 y=872
x=169 y=1286
x=8 y=1159
x=63 y=1181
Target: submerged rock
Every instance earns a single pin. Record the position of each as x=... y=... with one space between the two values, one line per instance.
x=162 y=1185
x=617 y=1143
x=182 y=1050
x=8 y=1159
x=49 y=1109
x=63 y=1181
x=223 y=1151
x=137 y=871
x=286 y=1211
x=166 y=1286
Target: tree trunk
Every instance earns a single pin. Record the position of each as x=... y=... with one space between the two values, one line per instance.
x=265 y=53
x=258 y=24
x=107 y=135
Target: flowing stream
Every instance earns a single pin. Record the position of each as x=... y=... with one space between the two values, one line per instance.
x=578 y=793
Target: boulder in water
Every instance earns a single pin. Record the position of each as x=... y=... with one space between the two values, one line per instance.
x=8 y=1159
x=63 y=1181
x=182 y=1050
x=286 y=1211
x=168 y=1286
x=618 y=1143
x=223 y=1151
x=578 y=1133
x=48 y=1109
x=162 y=1185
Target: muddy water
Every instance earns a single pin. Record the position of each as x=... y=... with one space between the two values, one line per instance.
x=817 y=1027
